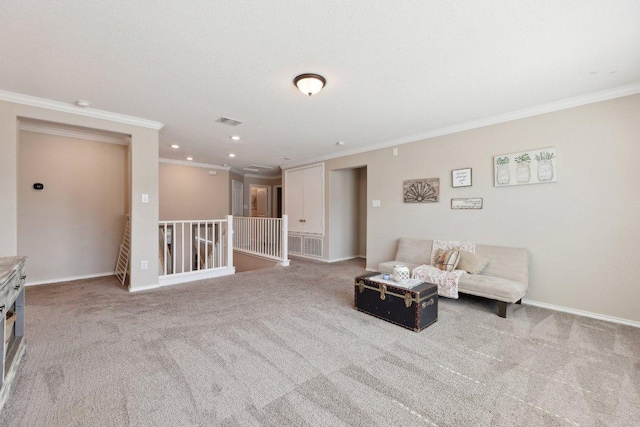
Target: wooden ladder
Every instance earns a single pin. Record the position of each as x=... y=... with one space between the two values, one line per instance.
x=123 y=256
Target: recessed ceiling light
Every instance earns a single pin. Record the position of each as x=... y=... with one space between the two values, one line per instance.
x=231 y=155
x=82 y=103
x=189 y=158
x=340 y=143
x=175 y=146
x=235 y=138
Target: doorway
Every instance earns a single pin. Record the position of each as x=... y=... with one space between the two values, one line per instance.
x=348 y=214
x=237 y=198
x=260 y=201
x=277 y=201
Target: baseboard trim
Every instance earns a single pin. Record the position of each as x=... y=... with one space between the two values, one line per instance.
x=341 y=259
x=178 y=278
x=582 y=313
x=144 y=288
x=68 y=279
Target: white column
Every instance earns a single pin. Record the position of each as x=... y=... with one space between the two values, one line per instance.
x=285 y=240
x=229 y=241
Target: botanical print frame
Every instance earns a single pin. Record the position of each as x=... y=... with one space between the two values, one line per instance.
x=527 y=167
x=461 y=177
x=425 y=190
x=467 y=203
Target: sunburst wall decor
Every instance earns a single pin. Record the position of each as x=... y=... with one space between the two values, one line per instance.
x=421 y=190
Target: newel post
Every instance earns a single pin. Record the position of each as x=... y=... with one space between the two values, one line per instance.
x=229 y=241
x=285 y=240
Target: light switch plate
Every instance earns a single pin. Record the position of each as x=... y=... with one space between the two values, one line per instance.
x=145 y=198
x=144 y=264
x=375 y=203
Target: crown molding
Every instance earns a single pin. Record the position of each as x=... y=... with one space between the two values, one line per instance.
x=253 y=175
x=73 y=109
x=193 y=164
x=564 y=104
x=71 y=133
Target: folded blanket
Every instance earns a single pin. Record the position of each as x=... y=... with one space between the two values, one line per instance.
x=447 y=281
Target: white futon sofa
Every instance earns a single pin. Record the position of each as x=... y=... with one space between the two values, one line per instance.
x=504 y=279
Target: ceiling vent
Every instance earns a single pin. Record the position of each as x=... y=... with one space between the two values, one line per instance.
x=260 y=167
x=228 y=121
x=252 y=169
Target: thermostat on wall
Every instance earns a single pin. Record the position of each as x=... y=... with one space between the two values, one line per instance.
x=38 y=186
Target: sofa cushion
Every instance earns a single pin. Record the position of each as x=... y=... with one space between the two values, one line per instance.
x=387 y=267
x=414 y=251
x=492 y=287
x=505 y=262
x=446 y=260
x=472 y=263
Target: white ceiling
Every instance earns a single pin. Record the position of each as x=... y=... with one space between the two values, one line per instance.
x=394 y=69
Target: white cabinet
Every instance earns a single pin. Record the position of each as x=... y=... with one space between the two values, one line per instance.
x=304 y=199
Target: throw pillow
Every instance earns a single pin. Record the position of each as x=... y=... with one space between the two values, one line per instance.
x=446 y=260
x=472 y=263
x=450 y=245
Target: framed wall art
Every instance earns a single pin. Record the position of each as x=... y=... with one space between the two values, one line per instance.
x=421 y=190
x=461 y=177
x=528 y=167
x=467 y=203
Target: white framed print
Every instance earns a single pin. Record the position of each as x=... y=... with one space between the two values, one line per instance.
x=461 y=177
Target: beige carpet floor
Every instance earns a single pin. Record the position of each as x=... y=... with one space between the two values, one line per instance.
x=284 y=346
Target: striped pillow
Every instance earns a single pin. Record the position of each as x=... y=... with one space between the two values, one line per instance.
x=446 y=260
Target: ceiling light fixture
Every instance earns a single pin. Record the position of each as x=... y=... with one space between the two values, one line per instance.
x=309 y=83
x=189 y=158
x=82 y=103
x=235 y=138
x=340 y=143
x=231 y=155
x=175 y=146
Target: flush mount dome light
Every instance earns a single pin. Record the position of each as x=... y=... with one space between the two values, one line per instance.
x=309 y=83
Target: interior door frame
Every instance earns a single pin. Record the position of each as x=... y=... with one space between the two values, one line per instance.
x=268 y=188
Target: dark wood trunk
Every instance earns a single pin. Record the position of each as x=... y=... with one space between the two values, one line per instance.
x=413 y=308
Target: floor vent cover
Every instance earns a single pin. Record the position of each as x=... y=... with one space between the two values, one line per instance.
x=313 y=246
x=295 y=245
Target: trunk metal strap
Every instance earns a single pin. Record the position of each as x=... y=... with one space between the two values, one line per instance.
x=408 y=298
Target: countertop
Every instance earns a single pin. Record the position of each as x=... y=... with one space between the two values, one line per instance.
x=8 y=265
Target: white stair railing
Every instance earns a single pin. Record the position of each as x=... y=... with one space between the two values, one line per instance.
x=194 y=246
x=264 y=237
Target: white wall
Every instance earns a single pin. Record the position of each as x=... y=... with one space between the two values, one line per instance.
x=582 y=231
x=72 y=228
x=188 y=192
